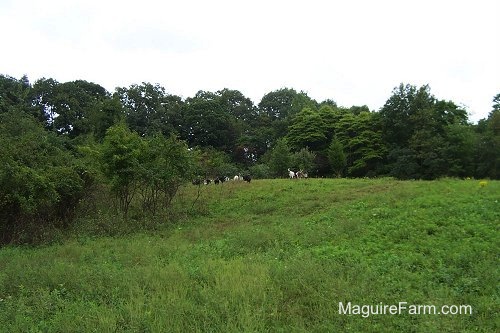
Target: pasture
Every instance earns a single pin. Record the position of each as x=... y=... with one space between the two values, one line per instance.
x=273 y=256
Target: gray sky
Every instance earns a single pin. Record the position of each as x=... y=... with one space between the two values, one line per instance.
x=354 y=52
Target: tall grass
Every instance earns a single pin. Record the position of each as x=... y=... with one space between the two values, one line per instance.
x=273 y=256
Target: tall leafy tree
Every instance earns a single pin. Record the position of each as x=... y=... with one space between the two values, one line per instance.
x=280 y=106
x=149 y=109
x=237 y=105
x=415 y=126
x=43 y=96
x=336 y=157
x=75 y=104
x=121 y=159
x=280 y=158
x=307 y=130
x=331 y=115
x=207 y=123
x=362 y=140
x=244 y=120
x=166 y=163
x=459 y=150
x=70 y=108
x=14 y=95
x=398 y=113
x=487 y=149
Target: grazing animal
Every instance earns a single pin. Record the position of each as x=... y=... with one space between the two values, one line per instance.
x=220 y=179
x=196 y=181
x=301 y=174
x=247 y=178
x=291 y=173
x=207 y=181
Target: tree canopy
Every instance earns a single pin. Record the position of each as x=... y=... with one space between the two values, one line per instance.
x=62 y=140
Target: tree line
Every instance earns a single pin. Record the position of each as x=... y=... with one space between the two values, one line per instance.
x=60 y=140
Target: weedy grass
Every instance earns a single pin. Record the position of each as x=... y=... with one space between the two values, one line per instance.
x=273 y=256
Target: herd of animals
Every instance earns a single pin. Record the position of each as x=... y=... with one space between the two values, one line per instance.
x=246 y=178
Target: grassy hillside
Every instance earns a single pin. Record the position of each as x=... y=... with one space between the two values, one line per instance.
x=274 y=256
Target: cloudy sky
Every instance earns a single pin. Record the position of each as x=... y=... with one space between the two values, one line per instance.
x=354 y=52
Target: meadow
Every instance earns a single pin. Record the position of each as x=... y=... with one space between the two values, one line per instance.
x=272 y=256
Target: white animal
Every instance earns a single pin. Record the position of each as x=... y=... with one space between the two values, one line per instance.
x=291 y=173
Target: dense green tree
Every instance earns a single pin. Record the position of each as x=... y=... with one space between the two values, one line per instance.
x=14 y=94
x=238 y=106
x=207 y=123
x=40 y=182
x=418 y=126
x=397 y=114
x=245 y=121
x=71 y=108
x=307 y=130
x=106 y=114
x=304 y=160
x=487 y=149
x=356 y=110
x=121 y=159
x=362 y=141
x=429 y=153
x=149 y=109
x=330 y=115
x=280 y=158
x=76 y=103
x=277 y=104
x=280 y=106
x=496 y=103
x=336 y=157
x=43 y=96
x=166 y=163
x=459 y=150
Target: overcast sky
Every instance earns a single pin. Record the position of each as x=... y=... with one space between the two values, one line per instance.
x=354 y=52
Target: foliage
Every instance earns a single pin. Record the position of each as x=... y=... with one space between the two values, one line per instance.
x=336 y=157
x=304 y=160
x=307 y=130
x=40 y=183
x=207 y=123
x=260 y=171
x=149 y=109
x=487 y=149
x=14 y=93
x=165 y=165
x=151 y=169
x=121 y=159
x=280 y=158
x=362 y=141
x=211 y=163
x=416 y=123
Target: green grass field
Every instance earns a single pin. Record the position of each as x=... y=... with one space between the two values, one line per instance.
x=273 y=256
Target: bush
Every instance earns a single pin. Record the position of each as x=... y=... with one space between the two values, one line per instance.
x=261 y=171
x=40 y=185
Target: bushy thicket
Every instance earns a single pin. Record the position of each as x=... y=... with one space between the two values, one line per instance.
x=40 y=181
